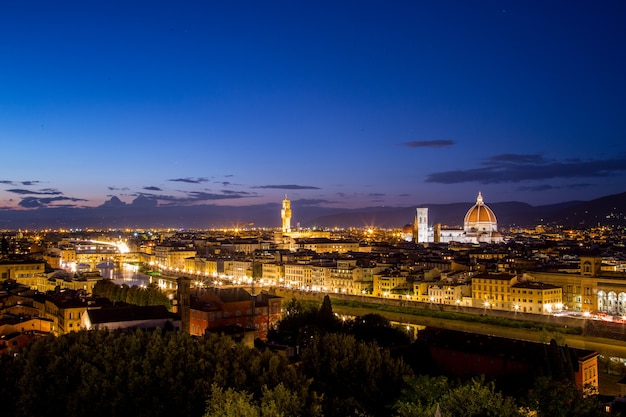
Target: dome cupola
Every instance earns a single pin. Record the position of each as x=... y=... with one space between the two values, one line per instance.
x=480 y=218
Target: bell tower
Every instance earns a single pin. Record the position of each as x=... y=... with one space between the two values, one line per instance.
x=285 y=215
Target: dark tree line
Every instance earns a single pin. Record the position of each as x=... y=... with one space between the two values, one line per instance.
x=103 y=373
x=301 y=323
x=150 y=295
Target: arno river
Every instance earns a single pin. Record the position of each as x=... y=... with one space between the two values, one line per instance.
x=127 y=274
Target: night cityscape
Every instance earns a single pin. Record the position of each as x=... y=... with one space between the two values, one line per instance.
x=313 y=209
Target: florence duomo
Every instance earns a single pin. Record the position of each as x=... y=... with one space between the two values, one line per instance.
x=479 y=226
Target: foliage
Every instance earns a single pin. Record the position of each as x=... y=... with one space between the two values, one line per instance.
x=102 y=373
x=561 y=398
x=476 y=398
x=378 y=329
x=230 y=403
x=148 y=296
x=355 y=377
x=301 y=324
x=275 y=402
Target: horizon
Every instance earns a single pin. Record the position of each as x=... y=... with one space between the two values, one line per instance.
x=349 y=105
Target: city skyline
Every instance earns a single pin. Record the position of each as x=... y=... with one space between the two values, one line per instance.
x=352 y=104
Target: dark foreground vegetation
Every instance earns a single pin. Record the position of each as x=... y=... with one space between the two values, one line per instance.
x=150 y=295
x=341 y=370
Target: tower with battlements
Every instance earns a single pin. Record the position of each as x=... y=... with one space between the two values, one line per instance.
x=285 y=214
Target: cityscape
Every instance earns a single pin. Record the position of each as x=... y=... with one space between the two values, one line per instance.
x=240 y=282
x=317 y=209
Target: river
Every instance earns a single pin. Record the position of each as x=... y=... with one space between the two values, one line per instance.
x=127 y=274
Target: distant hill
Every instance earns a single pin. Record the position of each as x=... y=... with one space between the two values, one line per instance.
x=143 y=213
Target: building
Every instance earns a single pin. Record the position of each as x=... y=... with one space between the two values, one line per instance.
x=130 y=317
x=391 y=284
x=492 y=291
x=589 y=290
x=285 y=215
x=64 y=309
x=536 y=297
x=512 y=362
x=325 y=245
x=449 y=293
x=285 y=237
x=215 y=308
x=21 y=269
x=172 y=257
x=479 y=226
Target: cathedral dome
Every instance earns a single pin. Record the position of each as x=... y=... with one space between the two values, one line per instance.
x=480 y=217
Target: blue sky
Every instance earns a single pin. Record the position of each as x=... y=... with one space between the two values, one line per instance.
x=337 y=103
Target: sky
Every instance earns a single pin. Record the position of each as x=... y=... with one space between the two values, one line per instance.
x=332 y=103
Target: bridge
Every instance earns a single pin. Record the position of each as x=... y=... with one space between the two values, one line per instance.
x=94 y=253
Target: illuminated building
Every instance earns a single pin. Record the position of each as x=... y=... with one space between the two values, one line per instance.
x=18 y=270
x=536 y=297
x=492 y=291
x=479 y=226
x=219 y=308
x=285 y=215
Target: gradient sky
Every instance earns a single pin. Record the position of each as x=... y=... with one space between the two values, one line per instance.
x=340 y=103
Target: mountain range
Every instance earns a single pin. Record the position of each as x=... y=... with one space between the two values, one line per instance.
x=144 y=213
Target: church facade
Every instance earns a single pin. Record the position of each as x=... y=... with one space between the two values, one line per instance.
x=479 y=226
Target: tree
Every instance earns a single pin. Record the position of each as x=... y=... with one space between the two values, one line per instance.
x=293 y=308
x=230 y=403
x=475 y=398
x=376 y=328
x=325 y=314
x=352 y=375
x=420 y=396
x=555 y=398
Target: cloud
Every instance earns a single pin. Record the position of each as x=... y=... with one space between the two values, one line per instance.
x=45 y=191
x=289 y=187
x=376 y=195
x=36 y=202
x=312 y=202
x=427 y=143
x=231 y=192
x=511 y=168
x=514 y=159
x=546 y=187
x=151 y=188
x=542 y=187
x=193 y=197
x=24 y=183
x=190 y=180
x=118 y=189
